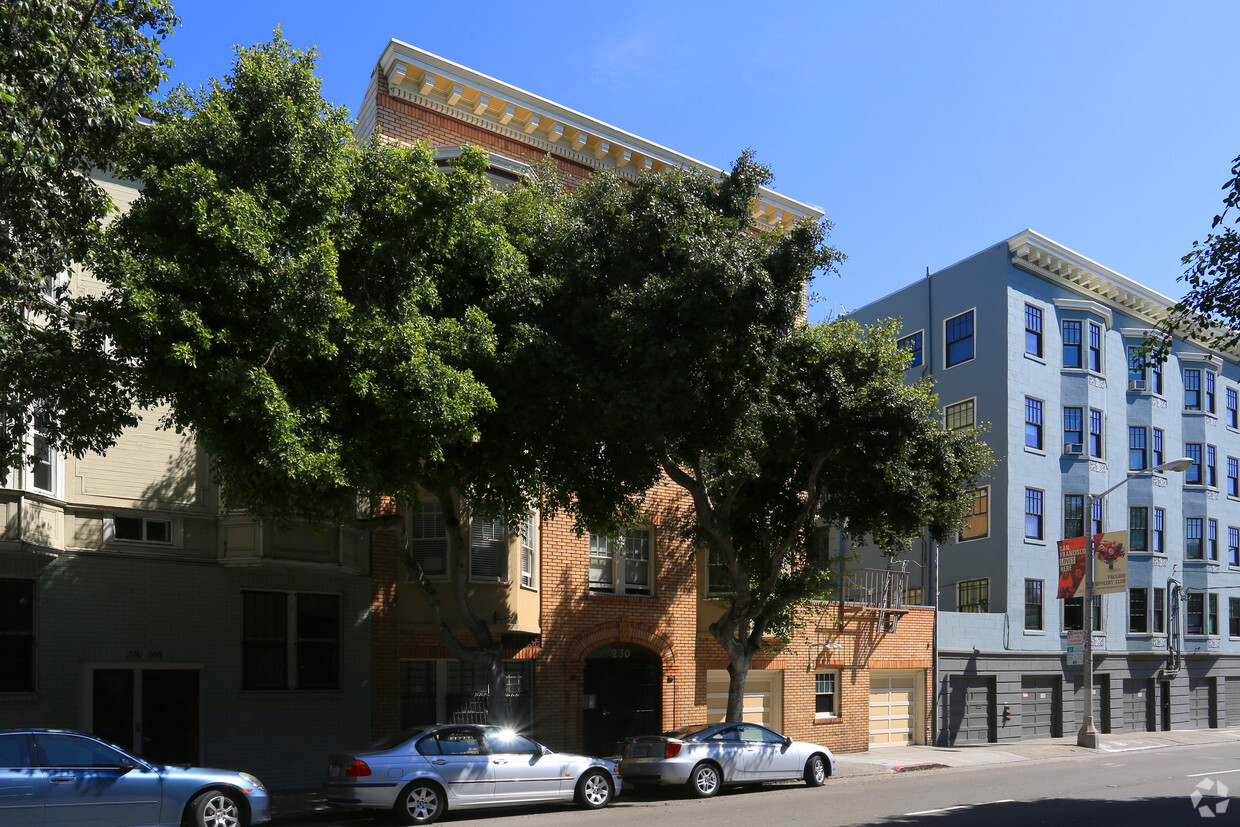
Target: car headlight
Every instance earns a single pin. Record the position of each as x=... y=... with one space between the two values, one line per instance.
x=258 y=785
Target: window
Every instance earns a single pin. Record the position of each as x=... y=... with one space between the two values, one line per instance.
x=1212 y=613
x=912 y=344
x=1073 y=429
x=1138 y=610
x=1233 y=617
x=17 y=635
x=1233 y=477
x=488 y=549
x=1072 y=607
x=1138 y=528
x=1033 y=330
x=1095 y=347
x=912 y=597
x=1156 y=449
x=1033 y=423
x=64 y=750
x=1072 y=344
x=141 y=530
x=1210 y=391
x=1136 y=364
x=621 y=566
x=449 y=691
x=1233 y=416
x=1033 y=605
x=824 y=695
x=1211 y=466
x=973 y=596
x=1136 y=448
x=290 y=640
x=529 y=549
x=1033 y=514
x=1095 y=433
x=428 y=539
x=718 y=578
x=1096 y=518
x=1233 y=546
x=1192 y=389
x=1193 y=528
x=1156 y=383
x=1160 y=531
x=1192 y=474
x=960 y=415
x=1073 y=515
x=1212 y=538
x=42 y=473
x=1158 y=616
x=1195 y=614
x=959 y=338
x=977 y=521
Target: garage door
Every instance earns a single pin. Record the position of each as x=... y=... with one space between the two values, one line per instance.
x=893 y=707
x=1039 y=698
x=1138 y=705
x=970 y=711
x=1201 y=703
x=1233 y=701
x=763 y=696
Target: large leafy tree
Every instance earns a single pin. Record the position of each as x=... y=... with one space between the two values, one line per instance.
x=675 y=329
x=332 y=320
x=73 y=77
x=1211 y=309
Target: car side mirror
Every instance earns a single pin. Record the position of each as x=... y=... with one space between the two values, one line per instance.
x=126 y=765
x=787 y=742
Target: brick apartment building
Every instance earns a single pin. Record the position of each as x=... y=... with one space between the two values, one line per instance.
x=602 y=639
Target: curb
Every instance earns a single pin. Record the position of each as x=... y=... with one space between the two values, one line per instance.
x=929 y=765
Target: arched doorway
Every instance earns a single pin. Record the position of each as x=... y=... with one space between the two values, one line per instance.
x=623 y=696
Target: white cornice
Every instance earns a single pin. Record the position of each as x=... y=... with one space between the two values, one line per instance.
x=440 y=84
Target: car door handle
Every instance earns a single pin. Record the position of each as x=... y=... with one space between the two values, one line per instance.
x=439 y=762
x=500 y=761
x=64 y=779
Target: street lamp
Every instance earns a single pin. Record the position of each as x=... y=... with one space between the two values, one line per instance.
x=1087 y=736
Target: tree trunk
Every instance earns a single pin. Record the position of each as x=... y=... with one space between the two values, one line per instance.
x=738 y=672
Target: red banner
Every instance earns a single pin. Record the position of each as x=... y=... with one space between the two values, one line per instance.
x=1110 y=565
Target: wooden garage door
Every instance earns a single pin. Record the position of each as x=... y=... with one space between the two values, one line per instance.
x=893 y=707
x=763 y=697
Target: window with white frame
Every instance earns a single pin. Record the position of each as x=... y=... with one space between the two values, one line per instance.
x=1095 y=347
x=290 y=640
x=1192 y=389
x=42 y=473
x=1033 y=423
x=1033 y=605
x=826 y=699
x=958 y=338
x=1195 y=613
x=1034 y=502
x=1138 y=610
x=1072 y=608
x=529 y=550
x=621 y=565
x=1072 y=344
x=1033 y=330
x=131 y=529
x=428 y=539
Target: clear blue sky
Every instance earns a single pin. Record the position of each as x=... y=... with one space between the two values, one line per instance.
x=925 y=131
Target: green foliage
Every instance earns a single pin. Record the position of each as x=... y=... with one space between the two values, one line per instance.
x=72 y=86
x=1210 y=311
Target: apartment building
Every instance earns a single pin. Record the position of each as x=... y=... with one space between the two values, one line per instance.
x=1041 y=346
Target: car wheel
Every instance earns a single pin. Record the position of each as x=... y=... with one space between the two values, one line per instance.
x=815 y=771
x=594 y=790
x=420 y=803
x=704 y=781
x=217 y=808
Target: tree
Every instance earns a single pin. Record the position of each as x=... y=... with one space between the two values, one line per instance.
x=331 y=320
x=73 y=78
x=1211 y=310
x=674 y=334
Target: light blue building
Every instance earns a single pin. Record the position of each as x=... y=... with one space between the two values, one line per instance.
x=1035 y=342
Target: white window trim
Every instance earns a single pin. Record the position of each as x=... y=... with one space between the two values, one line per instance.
x=447 y=560
x=835 y=674
x=175 y=532
x=618 y=586
x=505 y=542
x=57 y=489
x=530 y=523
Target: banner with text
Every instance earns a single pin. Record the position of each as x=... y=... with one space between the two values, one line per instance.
x=1110 y=565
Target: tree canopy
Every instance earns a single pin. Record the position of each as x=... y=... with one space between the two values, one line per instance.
x=73 y=79
x=1211 y=309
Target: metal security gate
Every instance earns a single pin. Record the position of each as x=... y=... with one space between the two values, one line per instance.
x=1232 y=688
x=1138 y=705
x=971 y=711
x=1201 y=703
x=1039 y=700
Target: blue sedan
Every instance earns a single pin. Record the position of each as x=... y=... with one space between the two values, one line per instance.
x=62 y=777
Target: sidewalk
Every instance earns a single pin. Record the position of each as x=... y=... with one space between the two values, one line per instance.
x=882 y=760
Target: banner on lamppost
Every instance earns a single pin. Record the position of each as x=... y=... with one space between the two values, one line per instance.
x=1110 y=565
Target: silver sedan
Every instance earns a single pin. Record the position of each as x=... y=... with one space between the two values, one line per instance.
x=422 y=773
x=704 y=758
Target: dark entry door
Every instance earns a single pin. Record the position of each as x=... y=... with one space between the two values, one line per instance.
x=154 y=712
x=623 y=696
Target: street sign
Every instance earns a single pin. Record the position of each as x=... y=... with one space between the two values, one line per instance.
x=1076 y=648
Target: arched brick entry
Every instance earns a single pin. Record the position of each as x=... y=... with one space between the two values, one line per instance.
x=621 y=631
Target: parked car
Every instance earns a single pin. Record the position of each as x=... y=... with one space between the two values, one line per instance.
x=704 y=758
x=422 y=773
x=63 y=777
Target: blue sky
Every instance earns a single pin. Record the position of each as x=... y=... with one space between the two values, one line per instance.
x=925 y=131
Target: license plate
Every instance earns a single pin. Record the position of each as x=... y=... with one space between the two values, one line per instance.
x=333 y=771
x=641 y=752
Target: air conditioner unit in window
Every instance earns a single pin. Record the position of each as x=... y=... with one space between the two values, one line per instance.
x=1137 y=385
x=1073 y=449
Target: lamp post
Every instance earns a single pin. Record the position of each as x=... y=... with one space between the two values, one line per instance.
x=1087 y=736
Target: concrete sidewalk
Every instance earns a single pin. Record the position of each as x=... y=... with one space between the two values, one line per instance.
x=881 y=760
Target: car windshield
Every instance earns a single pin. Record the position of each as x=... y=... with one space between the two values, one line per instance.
x=398 y=738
